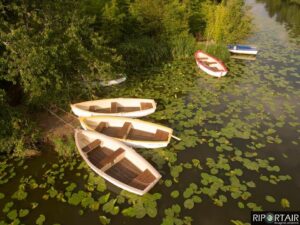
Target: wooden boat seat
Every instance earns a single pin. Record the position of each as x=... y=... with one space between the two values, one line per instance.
x=215 y=69
x=112 y=159
x=91 y=146
x=146 y=105
x=114 y=107
x=161 y=135
x=202 y=58
x=143 y=179
x=209 y=63
x=101 y=126
x=93 y=108
x=124 y=131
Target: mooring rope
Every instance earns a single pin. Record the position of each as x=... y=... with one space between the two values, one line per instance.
x=58 y=117
x=65 y=111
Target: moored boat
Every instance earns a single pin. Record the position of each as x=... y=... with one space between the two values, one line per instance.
x=242 y=49
x=210 y=64
x=126 y=107
x=134 y=132
x=112 y=82
x=116 y=162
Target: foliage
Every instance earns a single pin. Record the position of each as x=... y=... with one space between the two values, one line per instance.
x=64 y=146
x=225 y=22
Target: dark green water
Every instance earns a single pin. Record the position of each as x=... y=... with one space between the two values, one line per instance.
x=244 y=129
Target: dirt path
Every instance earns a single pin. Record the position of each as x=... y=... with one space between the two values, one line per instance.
x=52 y=127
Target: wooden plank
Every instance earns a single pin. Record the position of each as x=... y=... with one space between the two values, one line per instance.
x=91 y=146
x=101 y=126
x=215 y=69
x=114 y=107
x=146 y=105
x=124 y=131
x=93 y=108
x=113 y=158
x=209 y=63
x=161 y=135
x=143 y=179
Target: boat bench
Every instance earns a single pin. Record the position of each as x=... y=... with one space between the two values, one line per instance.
x=124 y=131
x=202 y=58
x=114 y=107
x=146 y=105
x=161 y=135
x=101 y=126
x=91 y=146
x=143 y=179
x=209 y=63
x=215 y=69
x=112 y=159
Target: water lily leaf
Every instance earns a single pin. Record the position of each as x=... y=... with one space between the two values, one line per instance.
x=270 y=198
x=196 y=199
x=188 y=204
x=175 y=194
x=104 y=220
x=151 y=212
x=71 y=187
x=168 y=183
x=285 y=203
x=12 y=214
x=130 y=212
x=238 y=222
x=23 y=212
x=104 y=198
x=7 y=207
x=40 y=220
x=241 y=205
x=110 y=207
x=188 y=192
x=2 y=195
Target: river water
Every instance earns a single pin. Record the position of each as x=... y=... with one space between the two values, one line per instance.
x=244 y=129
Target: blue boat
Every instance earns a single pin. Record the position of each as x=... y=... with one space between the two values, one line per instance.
x=242 y=49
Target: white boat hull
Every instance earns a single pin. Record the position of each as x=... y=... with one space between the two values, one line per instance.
x=245 y=52
x=210 y=64
x=90 y=123
x=82 y=109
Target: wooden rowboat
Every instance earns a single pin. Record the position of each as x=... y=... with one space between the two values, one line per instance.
x=116 y=162
x=134 y=132
x=126 y=107
x=210 y=64
x=242 y=49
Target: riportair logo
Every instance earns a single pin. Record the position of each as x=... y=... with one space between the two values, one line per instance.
x=278 y=218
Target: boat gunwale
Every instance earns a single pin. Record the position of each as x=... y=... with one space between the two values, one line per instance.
x=167 y=129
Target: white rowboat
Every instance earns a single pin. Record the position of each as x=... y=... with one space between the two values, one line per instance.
x=116 y=162
x=133 y=132
x=210 y=64
x=125 y=107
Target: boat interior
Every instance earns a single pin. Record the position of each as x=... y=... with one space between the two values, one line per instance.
x=209 y=64
x=127 y=131
x=116 y=165
x=116 y=107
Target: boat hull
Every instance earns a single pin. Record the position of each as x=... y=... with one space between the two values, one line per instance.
x=204 y=62
x=82 y=110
